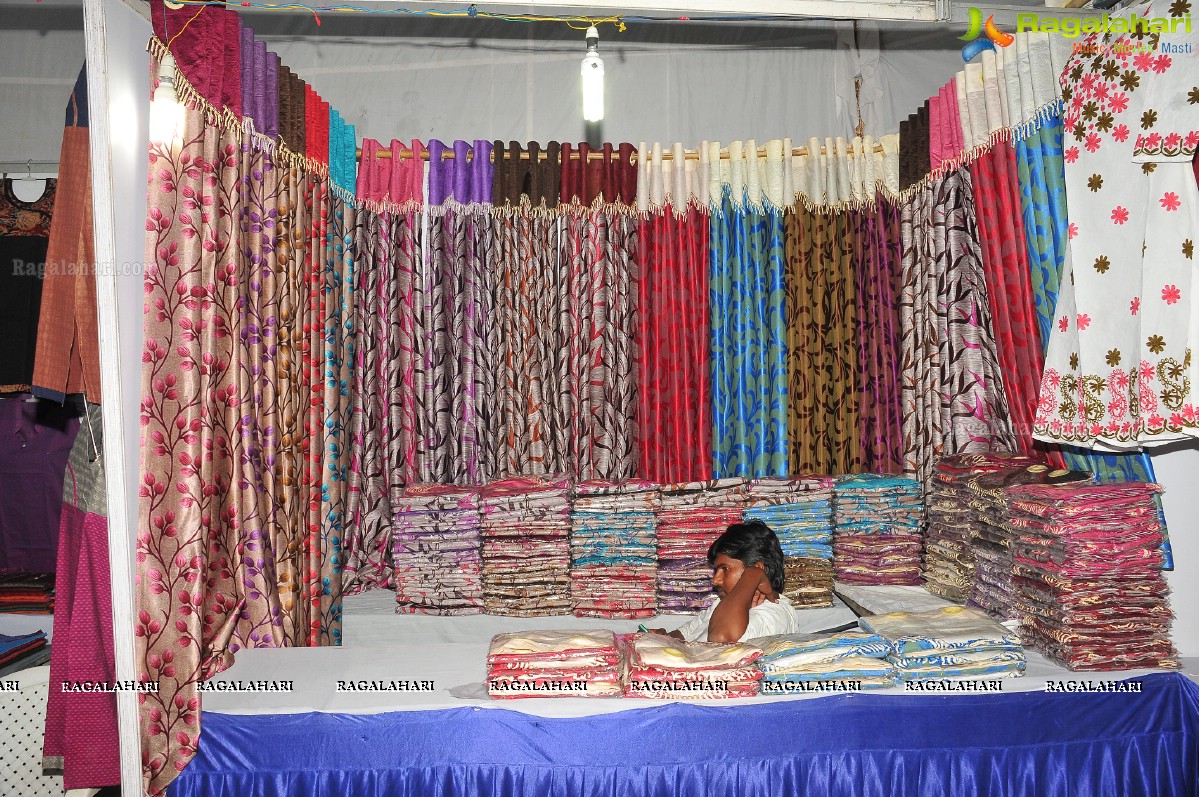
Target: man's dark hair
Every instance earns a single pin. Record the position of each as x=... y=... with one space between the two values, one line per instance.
x=751 y=543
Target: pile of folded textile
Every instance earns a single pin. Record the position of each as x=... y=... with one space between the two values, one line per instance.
x=436 y=550
x=948 y=554
x=877 y=529
x=991 y=587
x=951 y=642
x=692 y=516
x=553 y=664
x=17 y=652
x=526 y=546
x=791 y=661
x=613 y=549
x=799 y=511
x=1089 y=585
x=659 y=666
x=30 y=593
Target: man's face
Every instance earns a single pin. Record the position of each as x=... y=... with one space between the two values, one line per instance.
x=726 y=572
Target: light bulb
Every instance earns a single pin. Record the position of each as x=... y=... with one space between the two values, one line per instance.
x=593 y=79
x=166 y=114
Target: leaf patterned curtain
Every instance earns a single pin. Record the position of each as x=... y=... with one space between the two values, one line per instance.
x=531 y=412
x=459 y=368
x=953 y=399
x=383 y=423
x=243 y=401
x=822 y=336
x=672 y=263
x=747 y=315
x=598 y=320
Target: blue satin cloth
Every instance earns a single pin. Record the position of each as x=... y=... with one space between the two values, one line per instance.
x=860 y=745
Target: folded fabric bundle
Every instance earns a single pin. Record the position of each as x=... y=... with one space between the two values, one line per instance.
x=799 y=511
x=613 y=549
x=877 y=529
x=659 y=666
x=845 y=656
x=553 y=664
x=15 y=648
x=949 y=559
x=950 y=642
x=691 y=516
x=1087 y=560
x=436 y=550
x=525 y=533
x=30 y=593
x=990 y=537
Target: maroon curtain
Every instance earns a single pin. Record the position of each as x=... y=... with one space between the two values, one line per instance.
x=877 y=254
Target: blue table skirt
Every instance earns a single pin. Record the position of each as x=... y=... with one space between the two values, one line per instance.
x=1029 y=744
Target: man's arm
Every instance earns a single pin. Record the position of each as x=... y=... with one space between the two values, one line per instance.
x=731 y=616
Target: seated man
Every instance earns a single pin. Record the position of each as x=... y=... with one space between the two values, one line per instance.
x=747 y=574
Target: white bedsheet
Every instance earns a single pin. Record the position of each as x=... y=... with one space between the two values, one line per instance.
x=451 y=652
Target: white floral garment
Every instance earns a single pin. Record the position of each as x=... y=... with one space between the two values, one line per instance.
x=1121 y=369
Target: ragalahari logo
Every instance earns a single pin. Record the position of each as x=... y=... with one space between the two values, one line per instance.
x=975 y=45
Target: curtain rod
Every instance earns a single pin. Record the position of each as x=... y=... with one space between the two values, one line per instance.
x=691 y=155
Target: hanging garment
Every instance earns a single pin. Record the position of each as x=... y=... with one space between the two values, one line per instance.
x=68 y=339
x=1121 y=369
x=35 y=439
x=24 y=233
x=82 y=740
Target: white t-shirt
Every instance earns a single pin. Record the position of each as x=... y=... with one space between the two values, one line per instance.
x=765 y=619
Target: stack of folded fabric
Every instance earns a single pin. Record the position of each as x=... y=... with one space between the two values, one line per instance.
x=951 y=642
x=800 y=512
x=553 y=664
x=877 y=525
x=17 y=652
x=30 y=593
x=1089 y=585
x=991 y=588
x=526 y=547
x=660 y=666
x=436 y=550
x=948 y=555
x=692 y=516
x=613 y=549
x=792 y=661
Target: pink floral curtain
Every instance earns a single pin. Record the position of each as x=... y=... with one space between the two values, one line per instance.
x=245 y=402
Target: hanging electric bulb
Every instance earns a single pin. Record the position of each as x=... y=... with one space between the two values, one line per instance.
x=166 y=114
x=593 y=79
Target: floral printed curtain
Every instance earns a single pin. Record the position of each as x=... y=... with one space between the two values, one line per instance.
x=244 y=402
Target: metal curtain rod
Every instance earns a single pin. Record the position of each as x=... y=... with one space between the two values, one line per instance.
x=691 y=155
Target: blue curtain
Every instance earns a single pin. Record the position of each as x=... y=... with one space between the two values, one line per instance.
x=748 y=341
x=1043 y=200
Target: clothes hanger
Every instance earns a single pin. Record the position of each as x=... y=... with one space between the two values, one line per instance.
x=29 y=178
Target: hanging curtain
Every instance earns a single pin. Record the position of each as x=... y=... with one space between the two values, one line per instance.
x=599 y=317
x=459 y=371
x=244 y=401
x=953 y=399
x=843 y=248
x=672 y=331
x=747 y=315
x=878 y=251
x=822 y=337
x=531 y=404
x=383 y=424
